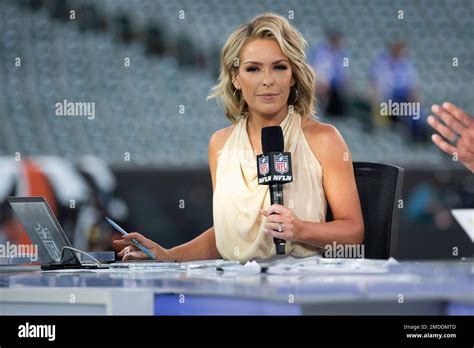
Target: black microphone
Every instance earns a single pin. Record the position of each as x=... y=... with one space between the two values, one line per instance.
x=274 y=169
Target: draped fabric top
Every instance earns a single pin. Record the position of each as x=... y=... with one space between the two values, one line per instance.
x=238 y=197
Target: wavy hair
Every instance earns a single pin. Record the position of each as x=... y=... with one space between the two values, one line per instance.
x=292 y=44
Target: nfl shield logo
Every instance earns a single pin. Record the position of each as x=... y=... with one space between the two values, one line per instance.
x=281 y=163
x=263 y=167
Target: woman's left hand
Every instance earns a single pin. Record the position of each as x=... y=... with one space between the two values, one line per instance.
x=280 y=217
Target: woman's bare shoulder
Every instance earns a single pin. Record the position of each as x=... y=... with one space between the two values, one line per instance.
x=323 y=138
x=316 y=130
x=219 y=137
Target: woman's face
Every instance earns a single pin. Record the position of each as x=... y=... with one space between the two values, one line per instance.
x=264 y=77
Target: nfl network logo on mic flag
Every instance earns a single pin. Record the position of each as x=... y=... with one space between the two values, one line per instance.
x=281 y=163
x=263 y=165
x=274 y=167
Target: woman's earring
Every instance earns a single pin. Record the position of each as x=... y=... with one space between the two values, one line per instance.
x=235 y=91
x=296 y=95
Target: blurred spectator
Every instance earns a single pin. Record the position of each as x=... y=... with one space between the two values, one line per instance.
x=393 y=77
x=35 y=4
x=331 y=73
x=60 y=9
x=89 y=18
x=155 y=39
x=124 y=26
x=187 y=54
x=432 y=198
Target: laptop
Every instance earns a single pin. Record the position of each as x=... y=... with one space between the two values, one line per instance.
x=44 y=230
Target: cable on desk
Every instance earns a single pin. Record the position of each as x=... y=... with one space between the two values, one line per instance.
x=82 y=252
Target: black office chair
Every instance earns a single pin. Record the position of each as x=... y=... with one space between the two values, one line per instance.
x=380 y=189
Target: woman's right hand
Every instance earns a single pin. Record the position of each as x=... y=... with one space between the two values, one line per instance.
x=130 y=252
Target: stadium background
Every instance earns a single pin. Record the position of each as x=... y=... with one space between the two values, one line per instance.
x=148 y=67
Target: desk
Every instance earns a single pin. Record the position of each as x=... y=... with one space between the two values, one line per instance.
x=319 y=286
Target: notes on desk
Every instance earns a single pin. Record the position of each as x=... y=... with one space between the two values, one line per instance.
x=248 y=267
x=285 y=264
x=317 y=264
x=145 y=265
x=209 y=264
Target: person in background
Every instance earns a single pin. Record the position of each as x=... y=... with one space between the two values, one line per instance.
x=456 y=132
x=332 y=76
x=393 y=76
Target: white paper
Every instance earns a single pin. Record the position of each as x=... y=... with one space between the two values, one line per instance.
x=465 y=218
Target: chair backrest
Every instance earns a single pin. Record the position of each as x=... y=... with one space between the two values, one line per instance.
x=380 y=189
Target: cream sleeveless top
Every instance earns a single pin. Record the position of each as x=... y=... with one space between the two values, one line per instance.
x=238 y=197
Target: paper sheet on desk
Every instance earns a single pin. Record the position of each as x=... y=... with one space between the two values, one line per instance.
x=287 y=264
x=465 y=217
x=248 y=267
x=317 y=264
x=213 y=264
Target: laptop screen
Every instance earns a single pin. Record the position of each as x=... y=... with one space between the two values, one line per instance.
x=42 y=227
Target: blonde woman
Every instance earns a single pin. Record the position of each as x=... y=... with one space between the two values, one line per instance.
x=265 y=81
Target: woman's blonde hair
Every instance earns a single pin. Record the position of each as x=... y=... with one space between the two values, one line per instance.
x=292 y=44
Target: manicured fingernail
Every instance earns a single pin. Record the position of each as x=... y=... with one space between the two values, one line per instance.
x=435 y=107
